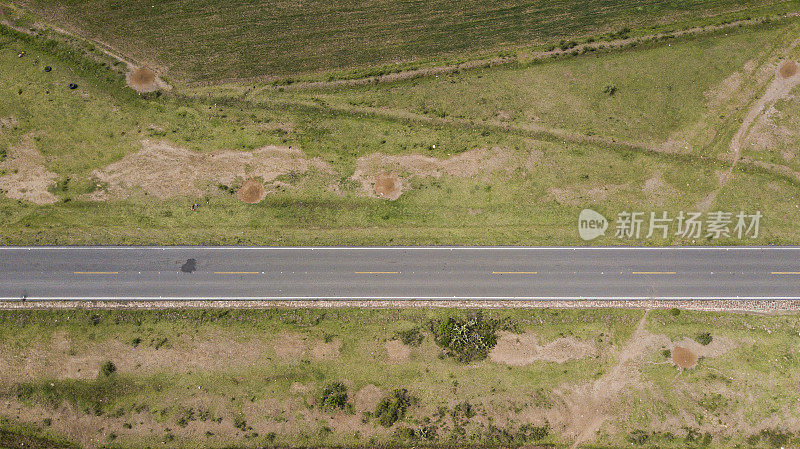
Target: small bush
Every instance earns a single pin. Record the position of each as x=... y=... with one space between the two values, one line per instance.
x=674 y=311
x=610 y=90
x=333 y=397
x=666 y=353
x=240 y=423
x=638 y=437
x=393 y=408
x=410 y=337
x=108 y=368
x=704 y=338
x=465 y=339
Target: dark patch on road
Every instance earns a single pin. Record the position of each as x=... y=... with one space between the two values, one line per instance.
x=190 y=266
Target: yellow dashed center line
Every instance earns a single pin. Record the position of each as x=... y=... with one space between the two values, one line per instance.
x=786 y=272
x=515 y=272
x=654 y=272
x=95 y=272
x=237 y=272
x=377 y=272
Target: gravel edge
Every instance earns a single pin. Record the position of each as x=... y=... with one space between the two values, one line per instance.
x=742 y=306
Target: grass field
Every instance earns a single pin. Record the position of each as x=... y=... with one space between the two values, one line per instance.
x=204 y=41
x=252 y=378
x=502 y=155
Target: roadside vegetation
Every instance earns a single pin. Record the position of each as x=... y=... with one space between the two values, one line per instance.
x=337 y=377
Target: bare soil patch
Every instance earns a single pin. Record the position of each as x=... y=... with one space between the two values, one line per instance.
x=144 y=80
x=397 y=352
x=289 y=346
x=326 y=351
x=524 y=349
x=389 y=186
x=578 y=195
x=374 y=171
x=367 y=398
x=788 y=69
x=251 y=192
x=163 y=170
x=25 y=176
x=683 y=357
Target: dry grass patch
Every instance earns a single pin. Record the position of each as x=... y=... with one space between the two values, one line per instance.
x=375 y=171
x=367 y=398
x=397 y=352
x=25 y=176
x=289 y=346
x=322 y=350
x=164 y=170
x=524 y=349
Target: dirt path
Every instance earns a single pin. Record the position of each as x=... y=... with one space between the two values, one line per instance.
x=780 y=87
x=591 y=408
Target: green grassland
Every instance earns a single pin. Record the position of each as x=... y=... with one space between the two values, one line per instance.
x=170 y=389
x=547 y=113
x=661 y=91
x=206 y=41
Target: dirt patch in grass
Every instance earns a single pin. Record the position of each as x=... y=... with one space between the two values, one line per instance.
x=370 y=168
x=683 y=357
x=25 y=177
x=389 y=186
x=788 y=69
x=367 y=398
x=524 y=349
x=7 y=122
x=326 y=351
x=289 y=346
x=144 y=80
x=164 y=170
x=576 y=195
x=397 y=352
x=251 y=192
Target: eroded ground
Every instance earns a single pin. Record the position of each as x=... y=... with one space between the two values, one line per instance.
x=568 y=378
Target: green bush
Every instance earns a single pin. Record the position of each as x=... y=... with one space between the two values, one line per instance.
x=674 y=311
x=465 y=339
x=333 y=397
x=393 y=408
x=410 y=337
x=704 y=338
x=108 y=368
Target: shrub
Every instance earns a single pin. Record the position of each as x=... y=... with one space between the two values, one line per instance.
x=465 y=339
x=240 y=423
x=666 y=353
x=334 y=397
x=674 y=311
x=108 y=368
x=410 y=337
x=529 y=432
x=704 y=338
x=393 y=407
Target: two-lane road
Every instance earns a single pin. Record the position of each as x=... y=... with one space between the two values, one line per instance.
x=162 y=273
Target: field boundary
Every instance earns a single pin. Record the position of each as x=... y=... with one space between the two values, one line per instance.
x=522 y=56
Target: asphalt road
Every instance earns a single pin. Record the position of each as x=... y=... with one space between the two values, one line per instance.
x=155 y=273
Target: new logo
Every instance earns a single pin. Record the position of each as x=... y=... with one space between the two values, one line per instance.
x=591 y=224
